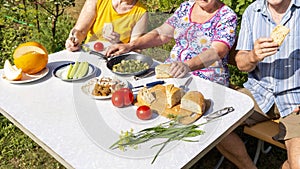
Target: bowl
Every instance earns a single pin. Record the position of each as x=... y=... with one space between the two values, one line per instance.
x=133 y=56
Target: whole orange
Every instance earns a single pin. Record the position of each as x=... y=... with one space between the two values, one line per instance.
x=31 y=57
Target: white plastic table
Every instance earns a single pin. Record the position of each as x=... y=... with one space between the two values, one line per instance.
x=77 y=130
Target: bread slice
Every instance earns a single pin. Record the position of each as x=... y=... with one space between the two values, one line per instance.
x=193 y=101
x=145 y=97
x=279 y=33
x=162 y=71
x=108 y=28
x=173 y=94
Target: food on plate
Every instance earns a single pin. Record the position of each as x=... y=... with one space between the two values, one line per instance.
x=130 y=66
x=31 y=57
x=98 y=46
x=105 y=86
x=162 y=71
x=279 y=33
x=108 y=28
x=122 y=97
x=193 y=101
x=171 y=102
x=77 y=71
x=144 y=112
x=12 y=72
x=173 y=94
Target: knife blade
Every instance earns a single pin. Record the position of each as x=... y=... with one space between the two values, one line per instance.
x=218 y=113
x=151 y=84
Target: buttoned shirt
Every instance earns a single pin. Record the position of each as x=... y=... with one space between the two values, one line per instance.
x=276 y=79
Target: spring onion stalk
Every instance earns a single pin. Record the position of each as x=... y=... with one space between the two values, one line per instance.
x=171 y=131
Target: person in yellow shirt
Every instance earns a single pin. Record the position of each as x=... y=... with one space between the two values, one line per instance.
x=116 y=21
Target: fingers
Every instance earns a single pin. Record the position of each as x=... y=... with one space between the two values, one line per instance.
x=117 y=49
x=113 y=38
x=179 y=69
x=72 y=45
x=264 y=47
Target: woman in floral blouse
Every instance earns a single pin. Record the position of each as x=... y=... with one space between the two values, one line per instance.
x=204 y=32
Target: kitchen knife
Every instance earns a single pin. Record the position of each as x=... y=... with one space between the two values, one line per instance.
x=151 y=84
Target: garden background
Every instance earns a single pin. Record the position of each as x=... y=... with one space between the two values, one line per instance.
x=49 y=22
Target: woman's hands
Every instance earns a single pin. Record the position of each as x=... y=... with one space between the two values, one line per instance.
x=113 y=38
x=179 y=69
x=73 y=43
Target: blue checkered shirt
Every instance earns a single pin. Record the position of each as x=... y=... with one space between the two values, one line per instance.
x=276 y=79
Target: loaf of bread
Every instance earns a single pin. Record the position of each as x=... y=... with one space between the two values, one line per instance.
x=279 y=33
x=162 y=71
x=173 y=94
x=108 y=28
x=193 y=101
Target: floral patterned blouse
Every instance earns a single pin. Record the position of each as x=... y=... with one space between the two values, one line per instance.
x=192 y=38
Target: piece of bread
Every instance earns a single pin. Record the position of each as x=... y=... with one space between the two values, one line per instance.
x=173 y=94
x=145 y=96
x=279 y=33
x=162 y=71
x=108 y=28
x=193 y=101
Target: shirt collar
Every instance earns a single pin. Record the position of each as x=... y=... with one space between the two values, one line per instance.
x=261 y=5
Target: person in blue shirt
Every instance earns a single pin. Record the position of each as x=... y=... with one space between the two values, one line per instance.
x=273 y=77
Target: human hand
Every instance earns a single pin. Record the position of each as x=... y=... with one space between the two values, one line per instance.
x=118 y=49
x=264 y=47
x=297 y=109
x=179 y=69
x=113 y=38
x=74 y=40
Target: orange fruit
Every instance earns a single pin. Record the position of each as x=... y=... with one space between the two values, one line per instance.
x=31 y=57
x=12 y=72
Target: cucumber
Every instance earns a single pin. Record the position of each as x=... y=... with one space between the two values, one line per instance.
x=84 y=69
x=69 y=71
x=74 y=69
x=78 y=70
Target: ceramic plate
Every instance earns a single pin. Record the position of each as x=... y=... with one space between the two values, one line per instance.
x=89 y=86
x=26 y=78
x=61 y=71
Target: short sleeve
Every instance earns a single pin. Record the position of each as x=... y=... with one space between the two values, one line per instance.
x=180 y=12
x=245 y=39
x=226 y=28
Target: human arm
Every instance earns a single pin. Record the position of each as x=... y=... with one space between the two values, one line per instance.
x=82 y=26
x=248 y=59
x=156 y=37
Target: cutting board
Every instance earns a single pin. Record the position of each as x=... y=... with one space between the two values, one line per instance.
x=160 y=107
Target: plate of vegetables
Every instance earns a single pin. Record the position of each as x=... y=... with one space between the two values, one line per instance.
x=74 y=71
x=130 y=64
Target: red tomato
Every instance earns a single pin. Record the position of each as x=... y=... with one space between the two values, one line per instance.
x=144 y=112
x=117 y=99
x=122 y=97
x=128 y=96
x=98 y=46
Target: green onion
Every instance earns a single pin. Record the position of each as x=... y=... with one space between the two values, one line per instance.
x=171 y=130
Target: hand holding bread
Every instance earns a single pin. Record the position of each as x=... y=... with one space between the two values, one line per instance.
x=171 y=70
x=279 y=33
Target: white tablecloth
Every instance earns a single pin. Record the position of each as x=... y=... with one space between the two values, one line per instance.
x=77 y=129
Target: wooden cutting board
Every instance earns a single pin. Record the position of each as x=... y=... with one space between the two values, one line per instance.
x=159 y=106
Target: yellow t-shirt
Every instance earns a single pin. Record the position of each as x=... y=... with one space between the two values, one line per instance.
x=122 y=23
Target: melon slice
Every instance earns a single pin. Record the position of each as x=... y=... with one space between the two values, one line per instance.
x=12 y=72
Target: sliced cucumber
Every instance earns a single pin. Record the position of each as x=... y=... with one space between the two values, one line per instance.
x=84 y=69
x=74 y=69
x=78 y=70
x=69 y=71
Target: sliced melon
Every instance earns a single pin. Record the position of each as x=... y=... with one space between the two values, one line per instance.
x=12 y=72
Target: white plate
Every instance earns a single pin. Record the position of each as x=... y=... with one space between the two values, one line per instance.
x=26 y=78
x=60 y=72
x=88 y=87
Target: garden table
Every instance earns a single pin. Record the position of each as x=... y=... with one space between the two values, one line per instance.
x=77 y=130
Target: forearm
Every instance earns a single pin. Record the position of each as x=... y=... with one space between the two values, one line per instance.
x=203 y=60
x=156 y=37
x=246 y=60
